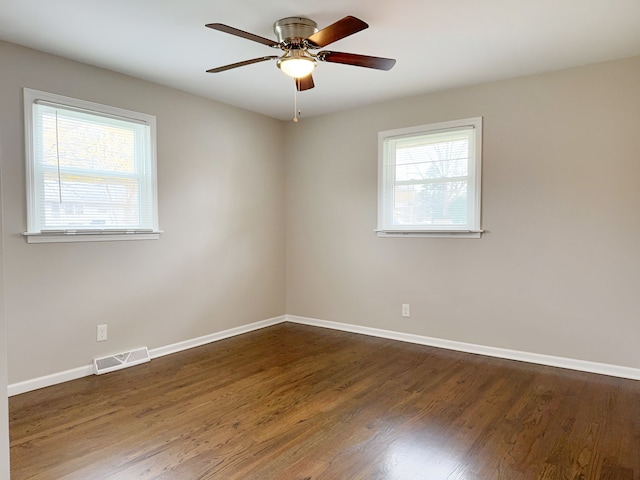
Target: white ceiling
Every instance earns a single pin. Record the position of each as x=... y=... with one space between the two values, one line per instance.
x=438 y=44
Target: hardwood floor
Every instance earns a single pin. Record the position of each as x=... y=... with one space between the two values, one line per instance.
x=295 y=402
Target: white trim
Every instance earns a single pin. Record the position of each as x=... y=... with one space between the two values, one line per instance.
x=48 y=380
x=433 y=234
x=214 y=337
x=32 y=97
x=85 y=371
x=540 y=359
x=474 y=175
x=537 y=358
x=88 y=237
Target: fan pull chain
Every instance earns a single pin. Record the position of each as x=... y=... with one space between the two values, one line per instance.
x=296 y=112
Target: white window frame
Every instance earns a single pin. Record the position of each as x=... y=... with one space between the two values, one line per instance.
x=386 y=184
x=34 y=233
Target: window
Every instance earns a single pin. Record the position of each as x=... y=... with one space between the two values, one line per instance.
x=429 y=179
x=91 y=171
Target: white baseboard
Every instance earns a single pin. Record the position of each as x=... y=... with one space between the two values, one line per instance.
x=562 y=362
x=86 y=370
x=48 y=380
x=214 y=337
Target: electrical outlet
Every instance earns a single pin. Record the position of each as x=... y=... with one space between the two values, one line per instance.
x=101 y=333
x=406 y=312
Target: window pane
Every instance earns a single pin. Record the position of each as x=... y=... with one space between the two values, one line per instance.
x=431 y=204
x=73 y=200
x=429 y=178
x=89 y=167
x=433 y=160
x=77 y=140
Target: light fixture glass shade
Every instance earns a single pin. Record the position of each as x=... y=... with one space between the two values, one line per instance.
x=298 y=65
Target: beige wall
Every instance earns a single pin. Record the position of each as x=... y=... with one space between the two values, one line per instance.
x=556 y=273
x=219 y=264
x=558 y=270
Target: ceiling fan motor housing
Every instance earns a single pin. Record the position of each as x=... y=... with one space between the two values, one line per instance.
x=293 y=30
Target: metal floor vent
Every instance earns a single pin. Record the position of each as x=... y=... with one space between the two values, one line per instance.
x=120 y=360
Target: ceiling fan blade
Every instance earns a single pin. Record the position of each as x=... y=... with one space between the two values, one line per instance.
x=242 y=34
x=241 y=64
x=305 y=83
x=336 y=31
x=378 y=63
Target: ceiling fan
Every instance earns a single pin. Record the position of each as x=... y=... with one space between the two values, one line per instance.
x=296 y=36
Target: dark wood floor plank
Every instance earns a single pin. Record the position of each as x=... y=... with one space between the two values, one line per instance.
x=296 y=402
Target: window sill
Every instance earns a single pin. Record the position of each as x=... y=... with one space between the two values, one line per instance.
x=431 y=233
x=89 y=236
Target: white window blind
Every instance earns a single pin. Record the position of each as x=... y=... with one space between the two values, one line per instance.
x=91 y=168
x=430 y=178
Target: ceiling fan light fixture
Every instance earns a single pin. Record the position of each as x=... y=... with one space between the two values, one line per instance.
x=297 y=64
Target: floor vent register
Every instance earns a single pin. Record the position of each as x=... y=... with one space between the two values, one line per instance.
x=120 y=360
